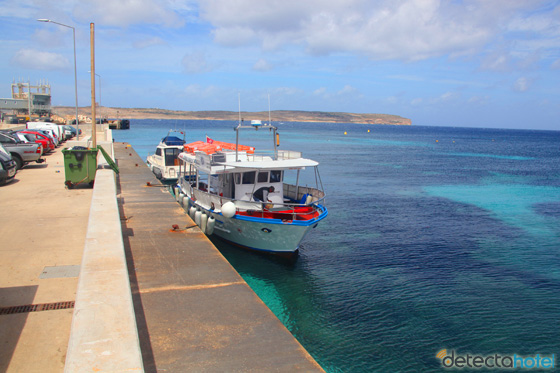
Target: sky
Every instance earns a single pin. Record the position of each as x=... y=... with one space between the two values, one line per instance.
x=463 y=63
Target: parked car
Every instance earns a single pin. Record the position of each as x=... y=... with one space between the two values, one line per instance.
x=70 y=129
x=21 y=152
x=48 y=133
x=49 y=143
x=8 y=167
x=27 y=138
x=55 y=128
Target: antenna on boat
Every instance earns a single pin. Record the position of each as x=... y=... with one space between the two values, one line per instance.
x=237 y=129
x=275 y=134
x=269 y=119
x=239 y=103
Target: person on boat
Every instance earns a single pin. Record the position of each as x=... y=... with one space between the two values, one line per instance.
x=261 y=194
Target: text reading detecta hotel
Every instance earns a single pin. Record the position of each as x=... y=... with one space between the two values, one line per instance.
x=496 y=361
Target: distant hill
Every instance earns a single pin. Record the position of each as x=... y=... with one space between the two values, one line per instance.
x=277 y=115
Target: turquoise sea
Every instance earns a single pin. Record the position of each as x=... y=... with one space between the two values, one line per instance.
x=437 y=238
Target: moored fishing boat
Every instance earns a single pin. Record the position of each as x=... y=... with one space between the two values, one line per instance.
x=164 y=162
x=256 y=200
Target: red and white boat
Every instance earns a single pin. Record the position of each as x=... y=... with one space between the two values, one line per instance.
x=251 y=199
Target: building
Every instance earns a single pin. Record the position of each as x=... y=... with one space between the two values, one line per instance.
x=28 y=100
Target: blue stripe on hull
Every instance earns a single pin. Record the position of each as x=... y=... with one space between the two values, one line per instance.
x=227 y=229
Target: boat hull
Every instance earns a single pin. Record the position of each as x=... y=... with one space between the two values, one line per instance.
x=264 y=235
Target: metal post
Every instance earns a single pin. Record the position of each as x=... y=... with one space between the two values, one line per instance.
x=237 y=143
x=274 y=144
x=94 y=120
x=76 y=85
x=297 y=185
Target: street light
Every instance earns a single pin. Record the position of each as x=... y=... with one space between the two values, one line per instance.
x=75 y=70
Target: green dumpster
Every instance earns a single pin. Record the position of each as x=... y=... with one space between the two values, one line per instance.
x=80 y=165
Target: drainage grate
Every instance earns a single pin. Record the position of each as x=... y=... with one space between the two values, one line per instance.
x=36 y=307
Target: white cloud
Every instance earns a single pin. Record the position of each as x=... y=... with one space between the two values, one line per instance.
x=412 y=78
x=496 y=61
x=446 y=97
x=235 y=36
x=320 y=91
x=262 y=65
x=17 y=8
x=522 y=84
x=387 y=29
x=196 y=63
x=198 y=91
x=416 y=101
x=39 y=60
x=479 y=100
x=130 y=12
x=52 y=37
x=286 y=91
x=347 y=90
x=392 y=100
x=148 y=42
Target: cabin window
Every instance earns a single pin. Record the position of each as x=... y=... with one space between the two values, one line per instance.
x=276 y=176
x=158 y=151
x=171 y=157
x=237 y=178
x=249 y=177
x=263 y=177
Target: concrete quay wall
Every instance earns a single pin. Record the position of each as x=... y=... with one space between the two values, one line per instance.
x=103 y=336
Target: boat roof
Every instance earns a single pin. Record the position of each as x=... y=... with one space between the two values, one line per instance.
x=272 y=164
x=172 y=141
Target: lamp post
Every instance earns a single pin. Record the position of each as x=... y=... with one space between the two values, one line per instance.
x=75 y=70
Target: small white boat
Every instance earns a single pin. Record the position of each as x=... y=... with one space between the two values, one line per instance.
x=164 y=162
x=251 y=199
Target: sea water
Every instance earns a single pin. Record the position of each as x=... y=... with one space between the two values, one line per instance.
x=437 y=239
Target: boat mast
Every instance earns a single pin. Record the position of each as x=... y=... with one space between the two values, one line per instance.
x=237 y=129
x=274 y=142
x=256 y=125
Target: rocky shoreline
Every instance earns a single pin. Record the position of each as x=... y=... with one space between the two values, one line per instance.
x=277 y=115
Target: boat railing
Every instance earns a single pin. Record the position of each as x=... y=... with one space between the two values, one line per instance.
x=307 y=206
x=265 y=155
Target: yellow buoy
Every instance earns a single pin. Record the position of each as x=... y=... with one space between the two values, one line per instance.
x=345 y=132
x=368 y=131
x=437 y=140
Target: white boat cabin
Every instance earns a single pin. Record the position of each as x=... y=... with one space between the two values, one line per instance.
x=237 y=177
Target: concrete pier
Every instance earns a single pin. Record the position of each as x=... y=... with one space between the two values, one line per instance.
x=120 y=288
x=194 y=312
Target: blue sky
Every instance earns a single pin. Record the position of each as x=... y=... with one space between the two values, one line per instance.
x=468 y=63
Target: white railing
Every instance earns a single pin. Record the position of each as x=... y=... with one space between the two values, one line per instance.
x=211 y=201
x=282 y=155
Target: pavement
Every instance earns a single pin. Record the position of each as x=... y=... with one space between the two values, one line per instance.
x=42 y=233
